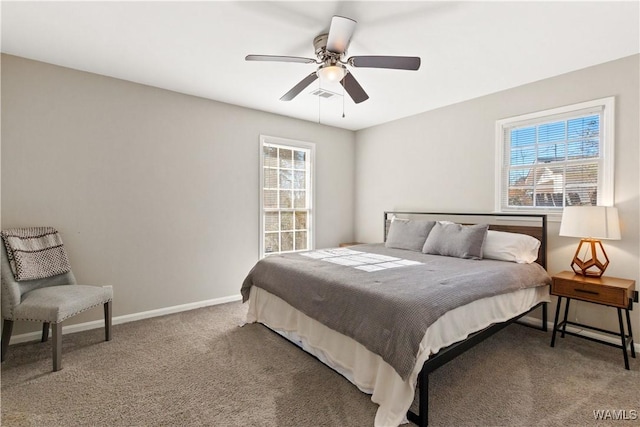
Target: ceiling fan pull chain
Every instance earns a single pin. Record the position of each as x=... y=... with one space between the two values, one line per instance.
x=342 y=101
x=319 y=101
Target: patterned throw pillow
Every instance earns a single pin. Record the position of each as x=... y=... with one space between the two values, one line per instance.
x=35 y=252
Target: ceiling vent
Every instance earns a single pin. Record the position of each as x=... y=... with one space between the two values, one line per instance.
x=323 y=93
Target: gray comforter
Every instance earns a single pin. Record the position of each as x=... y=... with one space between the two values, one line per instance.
x=387 y=311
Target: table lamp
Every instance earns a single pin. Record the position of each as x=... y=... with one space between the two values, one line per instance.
x=591 y=224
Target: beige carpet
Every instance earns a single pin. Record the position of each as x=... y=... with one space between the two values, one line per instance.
x=200 y=368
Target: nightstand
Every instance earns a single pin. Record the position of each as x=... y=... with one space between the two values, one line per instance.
x=609 y=291
x=344 y=245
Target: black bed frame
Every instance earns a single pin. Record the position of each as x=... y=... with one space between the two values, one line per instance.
x=454 y=350
x=451 y=352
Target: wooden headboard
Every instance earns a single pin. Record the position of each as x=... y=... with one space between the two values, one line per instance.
x=534 y=225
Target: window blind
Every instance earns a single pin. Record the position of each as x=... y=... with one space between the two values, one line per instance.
x=553 y=161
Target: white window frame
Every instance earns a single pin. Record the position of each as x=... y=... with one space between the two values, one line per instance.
x=605 y=164
x=293 y=144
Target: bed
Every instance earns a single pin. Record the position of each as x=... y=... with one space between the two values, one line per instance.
x=386 y=315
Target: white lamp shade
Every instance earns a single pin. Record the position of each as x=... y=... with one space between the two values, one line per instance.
x=595 y=222
x=332 y=73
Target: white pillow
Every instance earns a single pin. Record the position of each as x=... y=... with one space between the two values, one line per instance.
x=512 y=247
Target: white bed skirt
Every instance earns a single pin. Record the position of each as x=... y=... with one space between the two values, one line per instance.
x=368 y=371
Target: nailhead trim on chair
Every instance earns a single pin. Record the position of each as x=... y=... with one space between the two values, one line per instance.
x=6 y=289
x=62 y=320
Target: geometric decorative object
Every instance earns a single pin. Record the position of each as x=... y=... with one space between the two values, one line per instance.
x=591 y=224
x=590 y=264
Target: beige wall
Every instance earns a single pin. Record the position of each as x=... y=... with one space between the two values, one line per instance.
x=154 y=192
x=443 y=160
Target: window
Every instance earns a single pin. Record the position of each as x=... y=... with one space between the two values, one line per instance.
x=556 y=158
x=286 y=195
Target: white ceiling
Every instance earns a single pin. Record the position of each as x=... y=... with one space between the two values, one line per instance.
x=468 y=49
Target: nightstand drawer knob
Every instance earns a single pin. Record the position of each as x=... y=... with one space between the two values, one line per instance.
x=584 y=291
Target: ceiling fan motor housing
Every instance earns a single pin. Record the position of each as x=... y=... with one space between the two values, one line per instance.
x=325 y=56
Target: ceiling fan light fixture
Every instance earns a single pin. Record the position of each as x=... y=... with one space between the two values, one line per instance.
x=332 y=73
x=331 y=49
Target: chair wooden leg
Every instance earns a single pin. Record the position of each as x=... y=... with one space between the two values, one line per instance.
x=45 y=331
x=57 y=346
x=7 y=328
x=107 y=321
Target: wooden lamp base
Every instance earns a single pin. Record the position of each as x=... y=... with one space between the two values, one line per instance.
x=589 y=264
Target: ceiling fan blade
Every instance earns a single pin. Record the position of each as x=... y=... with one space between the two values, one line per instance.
x=299 y=87
x=340 y=33
x=277 y=58
x=394 y=62
x=353 y=88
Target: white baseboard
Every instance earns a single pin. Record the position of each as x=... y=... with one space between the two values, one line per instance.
x=587 y=333
x=32 y=336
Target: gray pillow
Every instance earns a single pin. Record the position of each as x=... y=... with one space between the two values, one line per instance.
x=408 y=234
x=461 y=241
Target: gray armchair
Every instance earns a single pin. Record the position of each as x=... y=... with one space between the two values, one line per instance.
x=49 y=301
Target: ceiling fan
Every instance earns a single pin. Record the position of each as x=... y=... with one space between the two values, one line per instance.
x=331 y=49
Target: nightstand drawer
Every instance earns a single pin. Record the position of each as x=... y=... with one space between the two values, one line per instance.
x=590 y=292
